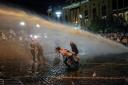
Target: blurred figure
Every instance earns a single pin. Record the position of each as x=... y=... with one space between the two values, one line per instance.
x=38 y=56
x=33 y=50
x=37 y=51
x=12 y=34
x=3 y=36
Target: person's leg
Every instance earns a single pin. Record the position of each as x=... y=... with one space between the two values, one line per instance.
x=76 y=65
x=33 y=55
x=38 y=57
x=65 y=61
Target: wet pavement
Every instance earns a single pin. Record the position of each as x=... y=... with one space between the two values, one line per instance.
x=50 y=77
x=109 y=71
x=58 y=75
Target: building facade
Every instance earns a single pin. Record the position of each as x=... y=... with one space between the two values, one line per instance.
x=83 y=12
x=120 y=8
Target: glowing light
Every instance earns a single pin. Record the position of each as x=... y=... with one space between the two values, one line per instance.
x=80 y=16
x=22 y=23
x=37 y=25
x=35 y=36
x=58 y=13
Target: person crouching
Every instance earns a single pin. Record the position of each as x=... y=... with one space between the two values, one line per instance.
x=68 y=57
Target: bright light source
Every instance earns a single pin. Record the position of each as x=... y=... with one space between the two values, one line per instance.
x=37 y=25
x=76 y=22
x=22 y=23
x=35 y=36
x=80 y=16
x=58 y=13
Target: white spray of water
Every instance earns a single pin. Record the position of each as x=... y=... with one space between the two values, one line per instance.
x=53 y=34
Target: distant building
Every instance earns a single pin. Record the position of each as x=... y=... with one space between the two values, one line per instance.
x=83 y=12
x=55 y=13
x=120 y=8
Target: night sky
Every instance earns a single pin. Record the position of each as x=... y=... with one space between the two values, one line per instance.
x=38 y=6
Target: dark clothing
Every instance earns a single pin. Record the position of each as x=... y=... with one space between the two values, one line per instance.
x=74 y=48
x=73 y=64
x=65 y=61
x=36 y=51
x=33 y=51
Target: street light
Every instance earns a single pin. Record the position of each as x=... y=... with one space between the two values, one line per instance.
x=35 y=36
x=58 y=14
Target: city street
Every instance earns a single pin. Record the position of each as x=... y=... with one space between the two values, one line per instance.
x=102 y=61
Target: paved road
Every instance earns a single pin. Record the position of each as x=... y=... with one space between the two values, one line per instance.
x=58 y=75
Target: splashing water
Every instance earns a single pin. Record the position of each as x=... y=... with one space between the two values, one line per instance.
x=53 y=34
x=16 y=53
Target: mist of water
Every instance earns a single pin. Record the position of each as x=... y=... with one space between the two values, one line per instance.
x=54 y=34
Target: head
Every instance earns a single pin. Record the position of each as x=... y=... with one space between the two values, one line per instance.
x=57 y=49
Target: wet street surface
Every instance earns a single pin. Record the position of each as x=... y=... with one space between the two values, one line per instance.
x=106 y=74
x=109 y=70
x=97 y=71
x=58 y=75
x=51 y=77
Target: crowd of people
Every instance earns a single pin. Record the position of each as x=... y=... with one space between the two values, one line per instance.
x=118 y=37
x=12 y=35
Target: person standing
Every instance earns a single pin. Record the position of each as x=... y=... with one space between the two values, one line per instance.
x=33 y=50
